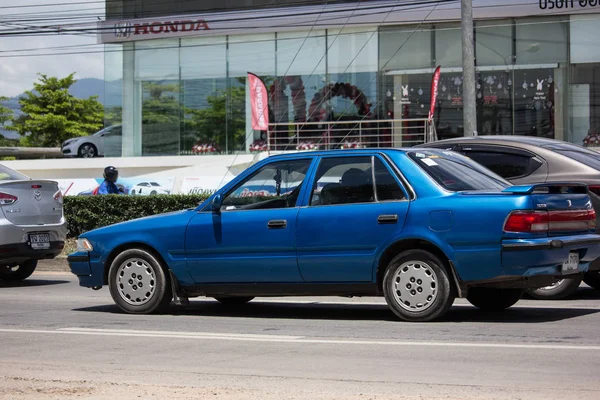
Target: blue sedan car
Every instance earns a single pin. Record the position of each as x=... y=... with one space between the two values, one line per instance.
x=420 y=227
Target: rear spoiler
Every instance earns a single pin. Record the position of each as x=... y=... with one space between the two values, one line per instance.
x=549 y=187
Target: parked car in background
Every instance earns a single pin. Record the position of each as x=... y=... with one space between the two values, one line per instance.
x=32 y=225
x=419 y=227
x=148 y=188
x=91 y=146
x=526 y=160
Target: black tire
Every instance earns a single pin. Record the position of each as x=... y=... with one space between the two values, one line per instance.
x=87 y=150
x=153 y=193
x=156 y=293
x=493 y=299
x=427 y=283
x=592 y=279
x=563 y=288
x=234 y=301
x=17 y=273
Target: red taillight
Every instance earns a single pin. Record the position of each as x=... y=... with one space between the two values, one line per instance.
x=527 y=221
x=555 y=221
x=7 y=199
x=36 y=186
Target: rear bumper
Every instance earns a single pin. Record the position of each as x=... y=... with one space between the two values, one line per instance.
x=19 y=252
x=545 y=256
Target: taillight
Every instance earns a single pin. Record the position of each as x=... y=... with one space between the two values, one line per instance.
x=554 y=221
x=7 y=199
x=527 y=221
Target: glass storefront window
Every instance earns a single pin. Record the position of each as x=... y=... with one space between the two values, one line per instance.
x=493 y=42
x=351 y=93
x=301 y=74
x=157 y=73
x=540 y=41
x=247 y=53
x=113 y=97
x=203 y=93
x=448 y=45
x=406 y=47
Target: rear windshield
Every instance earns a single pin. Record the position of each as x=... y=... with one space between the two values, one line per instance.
x=578 y=153
x=455 y=172
x=7 y=174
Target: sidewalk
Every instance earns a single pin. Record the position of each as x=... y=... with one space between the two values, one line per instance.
x=58 y=264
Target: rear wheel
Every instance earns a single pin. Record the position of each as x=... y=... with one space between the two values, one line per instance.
x=15 y=273
x=138 y=283
x=592 y=279
x=493 y=299
x=417 y=287
x=234 y=301
x=560 y=289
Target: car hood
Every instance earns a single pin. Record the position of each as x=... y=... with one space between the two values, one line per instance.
x=140 y=223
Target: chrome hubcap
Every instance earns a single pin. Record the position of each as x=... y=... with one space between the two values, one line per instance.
x=87 y=151
x=553 y=285
x=415 y=286
x=136 y=281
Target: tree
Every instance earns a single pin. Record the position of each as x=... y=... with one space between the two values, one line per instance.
x=52 y=115
x=5 y=113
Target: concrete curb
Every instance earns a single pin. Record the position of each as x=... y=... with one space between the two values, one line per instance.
x=58 y=264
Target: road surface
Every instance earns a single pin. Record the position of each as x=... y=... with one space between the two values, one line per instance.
x=60 y=341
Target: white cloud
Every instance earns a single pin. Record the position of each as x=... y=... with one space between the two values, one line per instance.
x=17 y=74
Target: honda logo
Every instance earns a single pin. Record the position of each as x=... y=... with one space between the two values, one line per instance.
x=123 y=29
x=37 y=195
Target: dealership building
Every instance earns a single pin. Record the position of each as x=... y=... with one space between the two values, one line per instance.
x=343 y=73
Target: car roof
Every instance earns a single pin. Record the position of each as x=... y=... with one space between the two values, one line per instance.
x=512 y=139
x=300 y=154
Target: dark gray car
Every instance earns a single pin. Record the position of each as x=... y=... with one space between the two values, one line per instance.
x=525 y=160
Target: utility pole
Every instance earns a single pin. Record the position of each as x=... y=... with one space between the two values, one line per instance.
x=468 y=49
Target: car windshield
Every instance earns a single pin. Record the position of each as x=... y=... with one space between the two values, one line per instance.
x=7 y=174
x=577 y=153
x=455 y=172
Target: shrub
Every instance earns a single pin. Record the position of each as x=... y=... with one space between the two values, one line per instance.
x=84 y=213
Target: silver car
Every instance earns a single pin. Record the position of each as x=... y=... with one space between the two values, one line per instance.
x=94 y=145
x=32 y=223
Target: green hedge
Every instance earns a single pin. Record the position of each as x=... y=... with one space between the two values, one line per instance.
x=84 y=213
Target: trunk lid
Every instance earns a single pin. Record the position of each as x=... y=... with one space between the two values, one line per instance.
x=31 y=202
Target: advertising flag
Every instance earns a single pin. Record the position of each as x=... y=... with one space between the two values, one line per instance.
x=434 y=91
x=259 y=103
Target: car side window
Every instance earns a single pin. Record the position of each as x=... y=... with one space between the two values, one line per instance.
x=506 y=165
x=343 y=180
x=276 y=185
x=386 y=186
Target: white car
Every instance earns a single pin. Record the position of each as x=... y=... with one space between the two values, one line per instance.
x=91 y=146
x=148 y=188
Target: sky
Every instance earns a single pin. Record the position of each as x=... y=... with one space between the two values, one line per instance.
x=17 y=74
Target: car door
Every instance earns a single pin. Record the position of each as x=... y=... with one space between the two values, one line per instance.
x=253 y=236
x=516 y=165
x=356 y=205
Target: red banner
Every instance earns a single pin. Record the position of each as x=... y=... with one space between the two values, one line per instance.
x=259 y=103
x=434 y=91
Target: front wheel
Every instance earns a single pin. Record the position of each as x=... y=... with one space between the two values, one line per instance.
x=493 y=299
x=560 y=289
x=417 y=287
x=87 y=150
x=138 y=283
x=17 y=273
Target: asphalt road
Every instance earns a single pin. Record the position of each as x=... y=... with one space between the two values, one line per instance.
x=60 y=341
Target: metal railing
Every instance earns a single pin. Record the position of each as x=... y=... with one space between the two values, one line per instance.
x=350 y=134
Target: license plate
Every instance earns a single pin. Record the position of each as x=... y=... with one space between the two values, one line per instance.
x=40 y=241
x=572 y=264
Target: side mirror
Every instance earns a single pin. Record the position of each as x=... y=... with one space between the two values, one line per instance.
x=217 y=202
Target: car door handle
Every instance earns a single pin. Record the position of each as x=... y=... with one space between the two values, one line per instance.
x=277 y=224
x=387 y=219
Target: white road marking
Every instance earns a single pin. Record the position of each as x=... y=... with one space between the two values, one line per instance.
x=290 y=339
